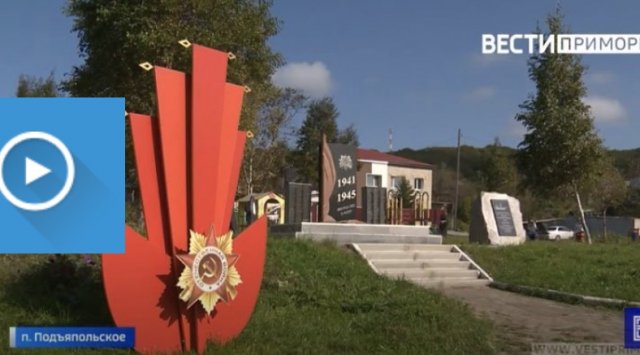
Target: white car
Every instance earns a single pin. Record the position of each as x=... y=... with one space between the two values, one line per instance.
x=559 y=232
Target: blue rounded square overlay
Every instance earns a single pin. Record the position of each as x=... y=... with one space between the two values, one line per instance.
x=89 y=218
x=632 y=328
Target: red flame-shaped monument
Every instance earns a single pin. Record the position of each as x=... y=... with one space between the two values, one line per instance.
x=189 y=280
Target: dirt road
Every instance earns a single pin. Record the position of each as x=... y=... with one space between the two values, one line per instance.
x=522 y=320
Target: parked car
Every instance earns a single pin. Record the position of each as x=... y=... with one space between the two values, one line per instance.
x=559 y=232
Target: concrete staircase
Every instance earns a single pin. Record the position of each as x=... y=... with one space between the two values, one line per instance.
x=427 y=265
x=345 y=233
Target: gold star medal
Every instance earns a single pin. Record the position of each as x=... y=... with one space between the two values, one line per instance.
x=210 y=274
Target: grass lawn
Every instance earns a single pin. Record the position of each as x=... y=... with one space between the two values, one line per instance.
x=315 y=298
x=604 y=269
x=455 y=239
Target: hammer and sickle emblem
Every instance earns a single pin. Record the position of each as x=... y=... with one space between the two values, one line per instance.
x=210 y=268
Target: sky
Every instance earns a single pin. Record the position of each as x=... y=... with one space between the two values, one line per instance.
x=415 y=67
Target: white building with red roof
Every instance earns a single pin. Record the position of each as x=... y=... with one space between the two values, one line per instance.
x=378 y=169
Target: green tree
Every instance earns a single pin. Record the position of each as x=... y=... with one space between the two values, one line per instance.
x=631 y=205
x=115 y=36
x=444 y=184
x=499 y=172
x=349 y=135
x=610 y=190
x=266 y=153
x=632 y=168
x=561 y=151
x=31 y=86
x=538 y=207
x=405 y=192
x=322 y=118
x=464 y=212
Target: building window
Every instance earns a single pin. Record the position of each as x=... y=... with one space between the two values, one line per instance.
x=374 y=180
x=418 y=183
x=395 y=182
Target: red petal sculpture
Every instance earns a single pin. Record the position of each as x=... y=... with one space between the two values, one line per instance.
x=188 y=163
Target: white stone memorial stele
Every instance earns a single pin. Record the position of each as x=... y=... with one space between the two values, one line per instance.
x=496 y=219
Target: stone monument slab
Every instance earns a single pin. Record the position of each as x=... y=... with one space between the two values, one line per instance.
x=297 y=202
x=374 y=202
x=338 y=167
x=496 y=219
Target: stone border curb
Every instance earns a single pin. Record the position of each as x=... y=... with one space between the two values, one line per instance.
x=565 y=297
x=466 y=257
x=357 y=249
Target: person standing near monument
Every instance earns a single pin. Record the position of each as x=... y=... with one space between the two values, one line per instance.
x=531 y=230
x=443 y=221
x=233 y=225
x=579 y=232
x=250 y=210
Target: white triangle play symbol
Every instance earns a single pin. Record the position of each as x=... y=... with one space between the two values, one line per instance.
x=34 y=171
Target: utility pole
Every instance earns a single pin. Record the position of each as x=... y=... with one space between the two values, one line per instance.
x=455 y=201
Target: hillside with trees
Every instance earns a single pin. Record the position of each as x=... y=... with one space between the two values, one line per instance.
x=482 y=169
x=561 y=156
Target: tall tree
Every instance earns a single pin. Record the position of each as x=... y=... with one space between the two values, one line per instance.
x=499 y=172
x=444 y=184
x=31 y=86
x=349 y=135
x=406 y=193
x=631 y=204
x=266 y=154
x=561 y=150
x=321 y=119
x=632 y=168
x=115 y=36
x=610 y=191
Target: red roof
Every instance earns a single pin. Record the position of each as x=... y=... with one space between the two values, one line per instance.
x=372 y=154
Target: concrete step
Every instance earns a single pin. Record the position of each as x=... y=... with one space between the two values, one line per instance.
x=342 y=239
x=367 y=247
x=426 y=265
x=452 y=282
x=431 y=273
x=417 y=256
x=377 y=229
x=411 y=264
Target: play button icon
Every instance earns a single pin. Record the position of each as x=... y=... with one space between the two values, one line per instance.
x=35 y=170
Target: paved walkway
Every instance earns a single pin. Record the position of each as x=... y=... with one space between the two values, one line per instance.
x=521 y=320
